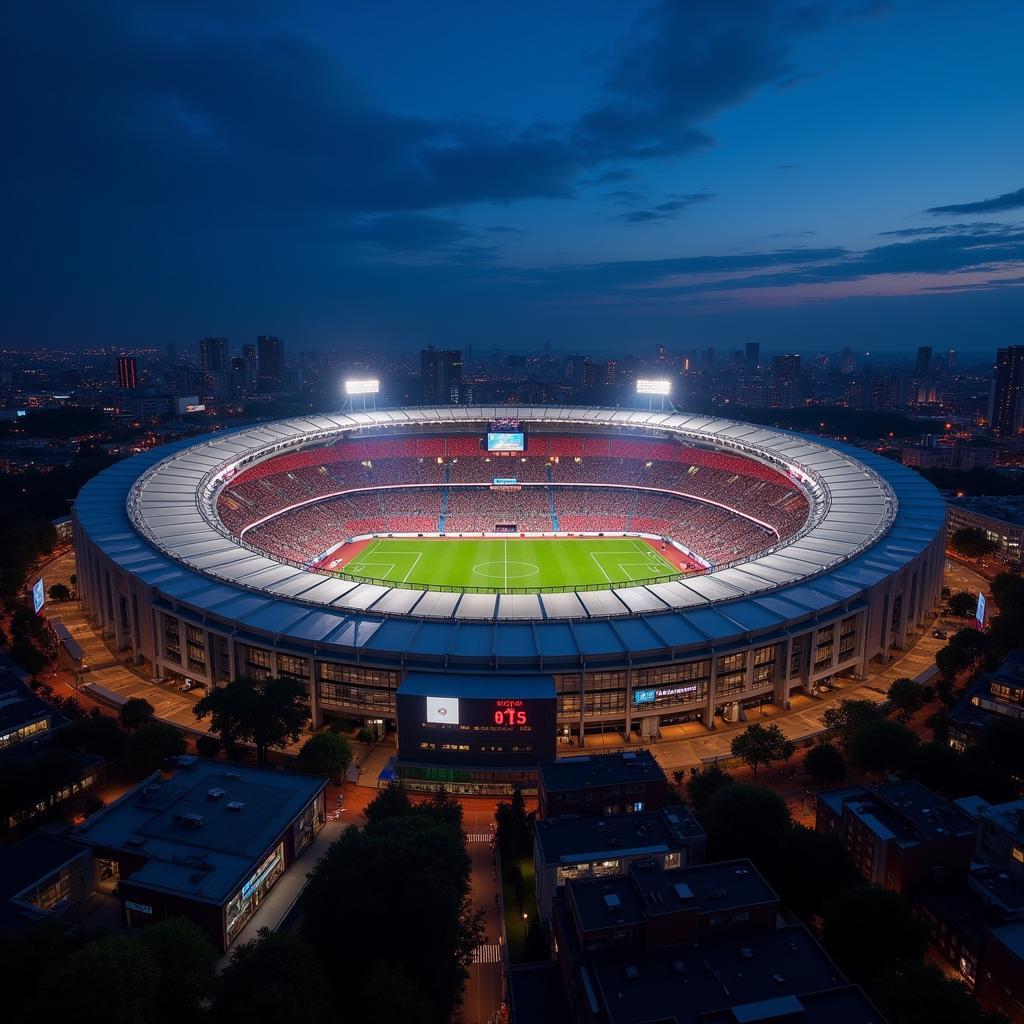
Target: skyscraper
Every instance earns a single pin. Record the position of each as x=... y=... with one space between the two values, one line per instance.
x=213 y=361
x=271 y=362
x=785 y=390
x=751 y=356
x=441 y=376
x=849 y=362
x=951 y=360
x=126 y=373
x=924 y=359
x=1007 y=411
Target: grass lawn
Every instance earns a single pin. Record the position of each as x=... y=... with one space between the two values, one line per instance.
x=515 y=931
x=510 y=564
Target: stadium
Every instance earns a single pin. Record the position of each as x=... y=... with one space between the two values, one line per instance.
x=517 y=578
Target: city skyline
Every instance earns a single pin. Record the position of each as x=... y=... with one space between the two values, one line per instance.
x=605 y=176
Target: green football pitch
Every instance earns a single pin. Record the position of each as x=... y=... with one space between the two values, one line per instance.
x=509 y=565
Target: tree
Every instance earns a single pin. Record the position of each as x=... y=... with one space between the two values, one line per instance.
x=704 y=783
x=411 y=868
x=870 y=930
x=882 y=746
x=150 y=746
x=908 y=697
x=276 y=977
x=514 y=827
x=94 y=734
x=445 y=805
x=135 y=712
x=327 y=754
x=29 y=657
x=808 y=868
x=965 y=648
x=265 y=712
x=972 y=542
x=60 y=592
x=745 y=821
x=113 y=981
x=845 y=717
x=825 y=764
x=207 y=745
x=391 y=802
x=188 y=968
x=962 y=604
x=761 y=744
x=921 y=994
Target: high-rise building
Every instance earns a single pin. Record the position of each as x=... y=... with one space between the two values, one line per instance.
x=271 y=362
x=924 y=359
x=251 y=367
x=951 y=360
x=785 y=390
x=213 y=362
x=127 y=378
x=848 y=363
x=1006 y=416
x=751 y=356
x=441 y=376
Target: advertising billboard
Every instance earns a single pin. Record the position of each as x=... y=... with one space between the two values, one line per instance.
x=506 y=441
x=38 y=596
x=979 y=614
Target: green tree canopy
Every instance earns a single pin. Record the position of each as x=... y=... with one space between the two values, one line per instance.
x=390 y=802
x=60 y=592
x=276 y=977
x=327 y=754
x=882 y=746
x=760 y=745
x=188 y=965
x=704 y=783
x=266 y=713
x=972 y=542
x=870 y=930
x=150 y=746
x=825 y=764
x=94 y=734
x=962 y=604
x=844 y=718
x=135 y=712
x=907 y=698
x=514 y=831
x=743 y=820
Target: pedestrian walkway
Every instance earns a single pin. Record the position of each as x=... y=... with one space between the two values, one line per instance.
x=490 y=953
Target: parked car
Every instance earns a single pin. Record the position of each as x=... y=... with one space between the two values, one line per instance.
x=939 y=634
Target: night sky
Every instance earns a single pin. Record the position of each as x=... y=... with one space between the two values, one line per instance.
x=597 y=174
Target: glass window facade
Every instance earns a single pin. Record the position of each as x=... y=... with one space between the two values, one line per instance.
x=245 y=902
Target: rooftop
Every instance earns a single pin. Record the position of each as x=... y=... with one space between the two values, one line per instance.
x=26 y=863
x=19 y=706
x=203 y=830
x=575 y=839
x=623 y=768
x=733 y=978
x=1008 y=509
x=649 y=891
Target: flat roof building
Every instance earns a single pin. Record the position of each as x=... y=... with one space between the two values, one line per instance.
x=570 y=848
x=41 y=876
x=602 y=784
x=900 y=835
x=995 y=694
x=207 y=843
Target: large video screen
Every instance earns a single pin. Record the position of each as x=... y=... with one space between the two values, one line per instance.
x=482 y=731
x=38 y=596
x=506 y=441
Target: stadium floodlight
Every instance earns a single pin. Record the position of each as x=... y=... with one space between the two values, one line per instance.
x=361 y=387
x=654 y=387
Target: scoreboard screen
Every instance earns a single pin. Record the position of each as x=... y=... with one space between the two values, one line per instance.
x=484 y=731
x=506 y=441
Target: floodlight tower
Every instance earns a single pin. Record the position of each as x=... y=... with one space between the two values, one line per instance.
x=654 y=389
x=361 y=392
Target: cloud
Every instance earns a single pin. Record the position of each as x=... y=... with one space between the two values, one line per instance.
x=1007 y=201
x=668 y=210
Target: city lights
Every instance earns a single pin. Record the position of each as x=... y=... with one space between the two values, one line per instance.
x=362 y=387
x=653 y=387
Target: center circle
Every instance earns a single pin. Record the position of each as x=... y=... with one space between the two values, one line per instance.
x=506 y=571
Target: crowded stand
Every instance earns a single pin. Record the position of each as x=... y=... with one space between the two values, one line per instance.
x=297 y=501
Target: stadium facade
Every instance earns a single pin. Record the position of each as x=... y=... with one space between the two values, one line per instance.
x=169 y=576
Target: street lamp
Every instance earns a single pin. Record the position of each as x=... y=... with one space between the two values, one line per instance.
x=525 y=915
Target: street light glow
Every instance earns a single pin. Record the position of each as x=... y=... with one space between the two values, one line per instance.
x=362 y=387
x=653 y=387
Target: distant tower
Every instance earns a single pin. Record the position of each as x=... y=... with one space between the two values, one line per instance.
x=213 y=361
x=924 y=359
x=951 y=360
x=271 y=363
x=1007 y=413
x=849 y=362
x=751 y=357
x=127 y=379
x=441 y=376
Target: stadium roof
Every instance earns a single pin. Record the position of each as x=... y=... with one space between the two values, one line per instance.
x=873 y=518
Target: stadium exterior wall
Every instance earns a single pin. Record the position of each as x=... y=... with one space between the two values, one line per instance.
x=632 y=673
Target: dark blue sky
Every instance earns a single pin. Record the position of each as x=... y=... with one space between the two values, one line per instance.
x=594 y=173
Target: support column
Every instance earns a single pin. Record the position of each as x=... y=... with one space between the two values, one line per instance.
x=709 y=709
x=807 y=660
x=316 y=718
x=629 y=704
x=782 y=673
